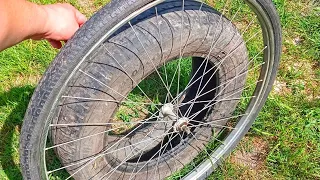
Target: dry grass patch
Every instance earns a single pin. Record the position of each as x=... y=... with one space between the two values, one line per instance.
x=251 y=153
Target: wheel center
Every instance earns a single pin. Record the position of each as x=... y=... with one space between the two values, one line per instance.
x=180 y=124
x=166 y=112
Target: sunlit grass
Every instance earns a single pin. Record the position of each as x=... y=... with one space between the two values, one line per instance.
x=289 y=122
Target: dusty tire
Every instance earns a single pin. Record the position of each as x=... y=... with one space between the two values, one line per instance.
x=132 y=56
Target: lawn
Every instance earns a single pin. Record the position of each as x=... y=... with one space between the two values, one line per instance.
x=284 y=141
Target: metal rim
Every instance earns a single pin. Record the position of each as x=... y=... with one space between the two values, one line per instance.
x=206 y=167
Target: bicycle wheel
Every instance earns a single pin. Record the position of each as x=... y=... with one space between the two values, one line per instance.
x=152 y=89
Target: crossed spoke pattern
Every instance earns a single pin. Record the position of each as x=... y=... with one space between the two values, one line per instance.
x=123 y=127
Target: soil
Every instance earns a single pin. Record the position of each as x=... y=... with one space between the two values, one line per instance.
x=253 y=156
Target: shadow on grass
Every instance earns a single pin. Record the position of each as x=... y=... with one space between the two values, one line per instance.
x=16 y=99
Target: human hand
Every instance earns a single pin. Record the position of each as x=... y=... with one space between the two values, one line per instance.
x=62 y=21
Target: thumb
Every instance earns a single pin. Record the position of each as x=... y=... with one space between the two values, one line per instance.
x=54 y=43
x=81 y=19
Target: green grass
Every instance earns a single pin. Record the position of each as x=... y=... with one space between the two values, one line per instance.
x=289 y=123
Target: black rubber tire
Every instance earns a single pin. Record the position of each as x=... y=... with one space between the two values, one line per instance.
x=126 y=48
x=40 y=108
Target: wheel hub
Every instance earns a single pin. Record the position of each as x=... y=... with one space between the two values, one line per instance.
x=180 y=124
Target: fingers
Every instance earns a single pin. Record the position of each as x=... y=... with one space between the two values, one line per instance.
x=55 y=44
x=63 y=21
x=81 y=19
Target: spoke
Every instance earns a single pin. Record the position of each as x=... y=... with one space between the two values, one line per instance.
x=202 y=2
x=181 y=138
x=152 y=138
x=216 y=71
x=226 y=83
x=90 y=160
x=210 y=27
x=209 y=105
x=127 y=158
x=207 y=61
x=171 y=144
x=160 y=154
x=94 y=124
x=178 y=70
x=168 y=85
x=235 y=14
x=220 y=100
x=104 y=85
x=144 y=121
x=219 y=64
x=127 y=74
x=161 y=45
x=229 y=81
x=155 y=68
x=79 y=139
x=107 y=124
x=192 y=162
x=247 y=27
x=218 y=120
x=221 y=119
x=91 y=99
x=191 y=106
x=198 y=150
x=106 y=100
x=181 y=54
x=86 y=160
x=215 y=139
x=150 y=159
x=172 y=80
x=103 y=153
x=128 y=100
x=214 y=125
x=212 y=44
x=159 y=31
x=170 y=139
x=205 y=149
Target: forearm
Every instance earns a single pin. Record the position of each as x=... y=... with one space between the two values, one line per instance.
x=20 y=20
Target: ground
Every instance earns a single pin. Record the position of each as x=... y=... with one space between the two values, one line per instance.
x=282 y=144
